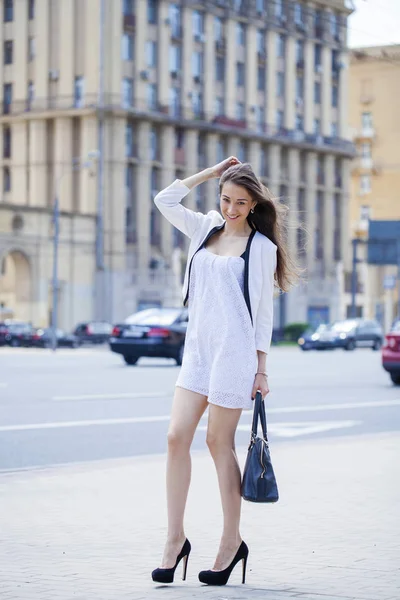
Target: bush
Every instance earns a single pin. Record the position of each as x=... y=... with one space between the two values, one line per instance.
x=293 y=331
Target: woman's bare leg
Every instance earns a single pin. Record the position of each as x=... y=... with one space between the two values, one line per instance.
x=222 y=424
x=187 y=410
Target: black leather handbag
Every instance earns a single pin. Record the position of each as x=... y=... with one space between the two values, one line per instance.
x=259 y=483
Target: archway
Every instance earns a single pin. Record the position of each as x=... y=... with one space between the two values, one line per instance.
x=15 y=286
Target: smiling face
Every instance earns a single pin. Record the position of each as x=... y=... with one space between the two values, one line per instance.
x=235 y=203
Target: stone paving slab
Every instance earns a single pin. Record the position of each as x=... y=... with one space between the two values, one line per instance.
x=95 y=531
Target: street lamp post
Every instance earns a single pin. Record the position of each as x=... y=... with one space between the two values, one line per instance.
x=77 y=164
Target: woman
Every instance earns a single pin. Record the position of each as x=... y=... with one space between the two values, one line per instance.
x=233 y=262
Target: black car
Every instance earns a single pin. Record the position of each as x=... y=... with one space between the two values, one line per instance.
x=43 y=338
x=16 y=333
x=93 y=332
x=157 y=332
x=313 y=339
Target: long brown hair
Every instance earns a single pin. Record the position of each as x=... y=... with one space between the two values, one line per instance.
x=269 y=218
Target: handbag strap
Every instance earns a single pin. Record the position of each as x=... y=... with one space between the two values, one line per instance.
x=259 y=411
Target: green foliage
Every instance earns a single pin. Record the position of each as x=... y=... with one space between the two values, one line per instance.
x=293 y=331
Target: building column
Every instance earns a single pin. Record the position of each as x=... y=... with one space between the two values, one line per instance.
x=230 y=69
x=191 y=140
x=167 y=135
x=209 y=66
x=140 y=85
x=19 y=163
x=163 y=54
x=290 y=83
x=251 y=75
x=143 y=192
x=345 y=211
x=343 y=96
x=309 y=86
x=274 y=161
x=294 y=177
x=326 y=94
x=271 y=78
x=87 y=183
x=329 y=217
x=42 y=61
x=254 y=156
x=63 y=160
x=187 y=53
x=212 y=184
x=112 y=58
x=38 y=163
x=20 y=50
x=67 y=51
x=311 y=177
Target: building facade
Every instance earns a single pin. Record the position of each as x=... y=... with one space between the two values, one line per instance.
x=375 y=176
x=164 y=89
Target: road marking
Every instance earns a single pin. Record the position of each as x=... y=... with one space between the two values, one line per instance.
x=114 y=396
x=155 y=419
x=296 y=429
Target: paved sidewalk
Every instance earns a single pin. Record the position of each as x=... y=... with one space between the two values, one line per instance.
x=95 y=531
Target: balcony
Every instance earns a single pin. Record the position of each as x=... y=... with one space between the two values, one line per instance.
x=237 y=123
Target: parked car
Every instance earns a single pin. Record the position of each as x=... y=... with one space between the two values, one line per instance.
x=43 y=338
x=93 y=332
x=347 y=334
x=157 y=332
x=16 y=333
x=310 y=339
x=3 y=331
x=391 y=353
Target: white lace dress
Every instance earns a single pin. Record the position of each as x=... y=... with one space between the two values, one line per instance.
x=220 y=356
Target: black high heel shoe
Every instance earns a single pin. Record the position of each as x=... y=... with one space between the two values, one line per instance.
x=222 y=577
x=167 y=575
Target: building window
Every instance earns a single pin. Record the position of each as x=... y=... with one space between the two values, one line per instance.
x=261 y=79
x=8 y=14
x=239 y=73
x=221 y=149
x=197 y=103
x=260 y=7
x=152 y=11
x=198 y=23
x=334 y=129
x=318 y=58
x=154 y=181
x=338 y=173
x=317 y=92
x=335 y=96
x=175 y=101
x=8 y=52
x=154 y=145
x=127 y=92
x=242 y=151
x=218 y=29
x=175 y=58
x=335 y=26
x=320 y=170
x=31 y=48
x=337 y=254
x=366 y=120
x=240 y=114
x=264 y=162
x=298 y=14
x=31 y=10
x=201 y=150
x=365 y=184
x=319 y=209
x=240 y=34
x=299 y=88
x=299 y=123
x=6 y=179
x=175 y=17
x=7 y=97
x=280 y=45
x=299 y=53
x=152 y=96
x=79 y=91
x=261 y=41
x=151 y=53
x=130 y=221
x=219 y=106
x=6 y=141
x=317 y=126
x=179 y=138
x=220 y=68
x=129 y=140
x=31 y=93
x=319 y=22
x=260 y=118
x=279 y=119
x=280 y=84
x=127 y=49
x=197 y=64
x=128 y=7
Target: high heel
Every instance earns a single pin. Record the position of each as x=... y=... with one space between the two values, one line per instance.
x=167 y=575
x=222 y=577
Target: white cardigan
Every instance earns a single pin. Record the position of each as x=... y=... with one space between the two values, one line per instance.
x=260 y=257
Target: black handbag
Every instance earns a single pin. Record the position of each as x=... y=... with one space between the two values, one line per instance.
x=259 y=483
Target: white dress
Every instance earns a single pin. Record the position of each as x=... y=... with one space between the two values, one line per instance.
x=220 y=356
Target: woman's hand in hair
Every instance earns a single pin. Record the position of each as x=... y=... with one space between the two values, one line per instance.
x=221 y=167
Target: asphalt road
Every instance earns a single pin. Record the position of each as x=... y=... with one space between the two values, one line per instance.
x=83 y=405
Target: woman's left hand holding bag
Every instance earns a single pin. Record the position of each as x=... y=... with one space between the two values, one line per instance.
x=260 y=383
